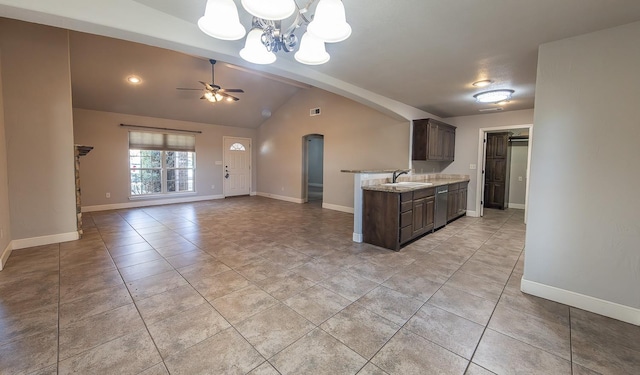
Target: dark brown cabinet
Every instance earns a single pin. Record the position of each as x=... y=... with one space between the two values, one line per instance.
x=496 y=178
x=392 y=219
x=457 y=200
x=433 y=140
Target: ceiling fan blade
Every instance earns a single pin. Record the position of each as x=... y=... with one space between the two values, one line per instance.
x=207 y=86
x=228 y=96
x=184 y=88
x=232 y=90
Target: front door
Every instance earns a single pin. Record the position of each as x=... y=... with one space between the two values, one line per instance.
x=237 y=166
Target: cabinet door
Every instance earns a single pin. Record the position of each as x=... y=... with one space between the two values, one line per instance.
x=462 y=201
x=452 y=204
x=429 y=213
x=419 y=210
x=434 y=149
x=419 y=150
x=448 y=143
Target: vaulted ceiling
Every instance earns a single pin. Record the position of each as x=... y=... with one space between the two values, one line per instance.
x=405 y=58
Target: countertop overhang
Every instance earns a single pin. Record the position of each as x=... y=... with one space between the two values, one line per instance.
x=401 y=189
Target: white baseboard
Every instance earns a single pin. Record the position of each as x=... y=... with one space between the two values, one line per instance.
x=281 y=197
x=145 y=203
x=5 y=255
x=44 y=240
x=581 y=301
x=358 y=237
x=336 y=207
x=253 y=193
x=517 y=206
x=472 y=213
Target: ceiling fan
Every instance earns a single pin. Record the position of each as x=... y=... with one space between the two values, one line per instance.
x=213 y=92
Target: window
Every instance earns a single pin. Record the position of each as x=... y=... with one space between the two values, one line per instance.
x=237 y=147
x=161 y=163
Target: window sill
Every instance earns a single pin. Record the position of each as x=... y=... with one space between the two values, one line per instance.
x=161 y=196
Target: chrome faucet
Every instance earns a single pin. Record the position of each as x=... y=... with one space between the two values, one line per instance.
x=397 y=174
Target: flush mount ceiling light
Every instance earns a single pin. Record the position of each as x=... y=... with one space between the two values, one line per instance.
x=483 y=83
x=267 y=36
x=493 y=96
x=134 y=80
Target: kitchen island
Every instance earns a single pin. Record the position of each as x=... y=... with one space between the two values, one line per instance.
x=393 y=214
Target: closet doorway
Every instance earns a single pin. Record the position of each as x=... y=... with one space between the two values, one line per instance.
x=504 y=157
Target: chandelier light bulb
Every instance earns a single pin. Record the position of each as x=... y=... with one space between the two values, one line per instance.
x=270 y=10
x=254 y=51
x=221 y=20
x=329 y=22
x=493 y=96
x=312 y=50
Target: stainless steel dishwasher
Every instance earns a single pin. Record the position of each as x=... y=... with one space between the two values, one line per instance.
x=440 y=220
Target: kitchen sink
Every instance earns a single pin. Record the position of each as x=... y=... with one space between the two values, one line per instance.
x=408 y=184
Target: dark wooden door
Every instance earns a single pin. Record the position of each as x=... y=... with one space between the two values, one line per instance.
x=496 y=170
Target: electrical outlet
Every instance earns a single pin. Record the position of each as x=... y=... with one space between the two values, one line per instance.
x=213 y=187
x=283 y=188
x=108 y=195
x=472 y=166
x=519 y=178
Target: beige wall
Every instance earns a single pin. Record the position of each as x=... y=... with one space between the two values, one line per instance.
x=5 y=224
x=105 y=168
x=355 y=137
x=583 y=229
x=467 y=134
x=38 y=129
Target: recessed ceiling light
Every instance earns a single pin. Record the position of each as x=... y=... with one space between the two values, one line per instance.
x=134 y=80
x=483 y=83
x=493 y=96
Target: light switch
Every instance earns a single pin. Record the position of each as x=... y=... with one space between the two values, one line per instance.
x=472 y=166
x=519 y=178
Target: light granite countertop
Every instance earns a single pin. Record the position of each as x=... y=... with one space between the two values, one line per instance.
x=370 y=171
x=434 y=181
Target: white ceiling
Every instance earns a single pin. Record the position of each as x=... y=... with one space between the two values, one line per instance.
x=404 y=57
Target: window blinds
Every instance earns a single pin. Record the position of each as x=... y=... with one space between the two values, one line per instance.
x=161 y=142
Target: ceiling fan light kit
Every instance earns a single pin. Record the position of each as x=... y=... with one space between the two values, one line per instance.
x=214 y=93
x=266 y=37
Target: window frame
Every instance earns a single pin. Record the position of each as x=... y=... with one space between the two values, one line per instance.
x=162 y=143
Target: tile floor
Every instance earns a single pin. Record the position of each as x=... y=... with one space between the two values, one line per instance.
x=258 y=286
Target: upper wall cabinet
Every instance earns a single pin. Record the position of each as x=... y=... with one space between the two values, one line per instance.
x=433 y=140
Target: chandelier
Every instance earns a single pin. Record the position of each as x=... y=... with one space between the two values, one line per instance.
x=266 y=37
